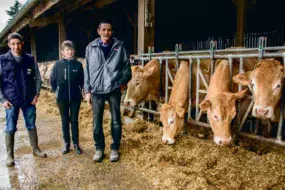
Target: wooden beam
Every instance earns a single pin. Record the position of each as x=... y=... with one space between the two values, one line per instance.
x=33 y=43
x=44 y=6
x=22 y=24
x=102 y=3
x=241 y=15
x=76 y=5
x=146 y=21
x=62 y=35
x=41 y=22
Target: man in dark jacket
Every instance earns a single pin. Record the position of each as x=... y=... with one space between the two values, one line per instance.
x=107 y=69
x=20 y=85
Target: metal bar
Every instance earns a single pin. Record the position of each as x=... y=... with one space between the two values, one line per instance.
x=197 y=89
x=202 y=91
x=169 y=75
x=271 y=140
x=190 y=87
x=203 y=78
x=149 y=111
x=166 y=81
x=231 y=70
x=239 y=89
x=246 y=114
x=279 y=131
x=160 y=80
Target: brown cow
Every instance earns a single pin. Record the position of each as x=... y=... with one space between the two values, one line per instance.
x=220 y=103
x=49 y=69
x=144 y=84
x=170 y=133
x=266 y=81
x=172 y=113
x=42 y=69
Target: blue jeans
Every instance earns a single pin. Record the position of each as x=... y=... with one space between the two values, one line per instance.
x=12 y=114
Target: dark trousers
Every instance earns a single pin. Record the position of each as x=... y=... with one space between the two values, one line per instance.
x=98 y=104
x=73 y=108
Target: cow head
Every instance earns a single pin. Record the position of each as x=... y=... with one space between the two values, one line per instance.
x=141 y=83
x=221 y=110
x=266 y=82
x=172 y=118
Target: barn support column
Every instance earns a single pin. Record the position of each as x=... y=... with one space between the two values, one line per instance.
x=241 y=20
x=146 y=21
x=33 y=43
x=62 y=35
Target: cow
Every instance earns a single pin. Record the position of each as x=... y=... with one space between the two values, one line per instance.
x=42 y=69
x=144 y=84
x=220 y=103
x=49 y=69
x=172 y=113
x=171 y=132
x=266 y=82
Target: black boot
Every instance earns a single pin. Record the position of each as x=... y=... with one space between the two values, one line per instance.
x=9 y=138
x=34 y=143
x=66 y=148
x=77 y=149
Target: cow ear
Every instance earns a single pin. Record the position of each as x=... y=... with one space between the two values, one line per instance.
x=180 y=111
x=242 y=78
x=135 y=68
x=241 y=94
x=149 y=70
x=205 y=105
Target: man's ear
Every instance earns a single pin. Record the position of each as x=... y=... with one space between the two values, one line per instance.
x=242 y=78
x=205 y=105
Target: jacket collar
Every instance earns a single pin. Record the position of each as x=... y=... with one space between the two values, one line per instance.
x=96 y=42
x=10 y=56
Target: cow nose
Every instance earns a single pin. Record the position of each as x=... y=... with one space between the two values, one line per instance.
x=164 y=140
x=262 y=111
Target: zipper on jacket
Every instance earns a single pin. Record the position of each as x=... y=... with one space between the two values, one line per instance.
x=68 y=80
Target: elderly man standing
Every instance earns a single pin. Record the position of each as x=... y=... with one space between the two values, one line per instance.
x=107 y=70
x=20 y=85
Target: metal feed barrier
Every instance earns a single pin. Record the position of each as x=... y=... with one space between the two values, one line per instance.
x=240 y=53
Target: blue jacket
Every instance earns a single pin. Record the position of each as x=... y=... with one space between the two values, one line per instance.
x=19 y=82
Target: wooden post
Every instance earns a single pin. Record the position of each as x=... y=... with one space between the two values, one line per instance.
x=62 y=35
x=146 y=21
x=33 y=43
x=241 y=15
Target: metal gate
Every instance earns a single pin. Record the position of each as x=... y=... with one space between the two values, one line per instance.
x=240 y=53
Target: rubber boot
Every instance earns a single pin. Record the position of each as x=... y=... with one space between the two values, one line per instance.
x=34 y=143
x=9 y=139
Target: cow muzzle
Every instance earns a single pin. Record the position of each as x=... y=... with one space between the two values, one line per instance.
x=167 y=140
x=222 y=141
x=130 y=102
x=263 y=113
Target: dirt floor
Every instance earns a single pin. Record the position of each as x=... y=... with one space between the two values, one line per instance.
x=146 y=163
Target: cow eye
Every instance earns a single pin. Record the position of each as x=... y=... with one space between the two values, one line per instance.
x=216 y=118
x=137 y=83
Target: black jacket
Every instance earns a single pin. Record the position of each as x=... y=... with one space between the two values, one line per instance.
x=67 y=80
x=19 y=82
x=103 y=75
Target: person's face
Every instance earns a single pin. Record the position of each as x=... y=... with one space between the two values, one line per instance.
x=16 y=46
x=68 y=53
x=105 y=32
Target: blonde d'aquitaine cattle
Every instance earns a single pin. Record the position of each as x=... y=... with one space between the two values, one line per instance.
x=49 y=69
x=42 y=69
x=220 y=103
x=266 y=81
x=172 y=113
x=171 y=132
x=144 y=84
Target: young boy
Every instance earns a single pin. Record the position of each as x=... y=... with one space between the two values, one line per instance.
x=19 y=89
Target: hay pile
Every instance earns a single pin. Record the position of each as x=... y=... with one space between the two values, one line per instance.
x=193 y=163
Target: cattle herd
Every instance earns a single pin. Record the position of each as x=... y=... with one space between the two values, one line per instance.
x=263 y=78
